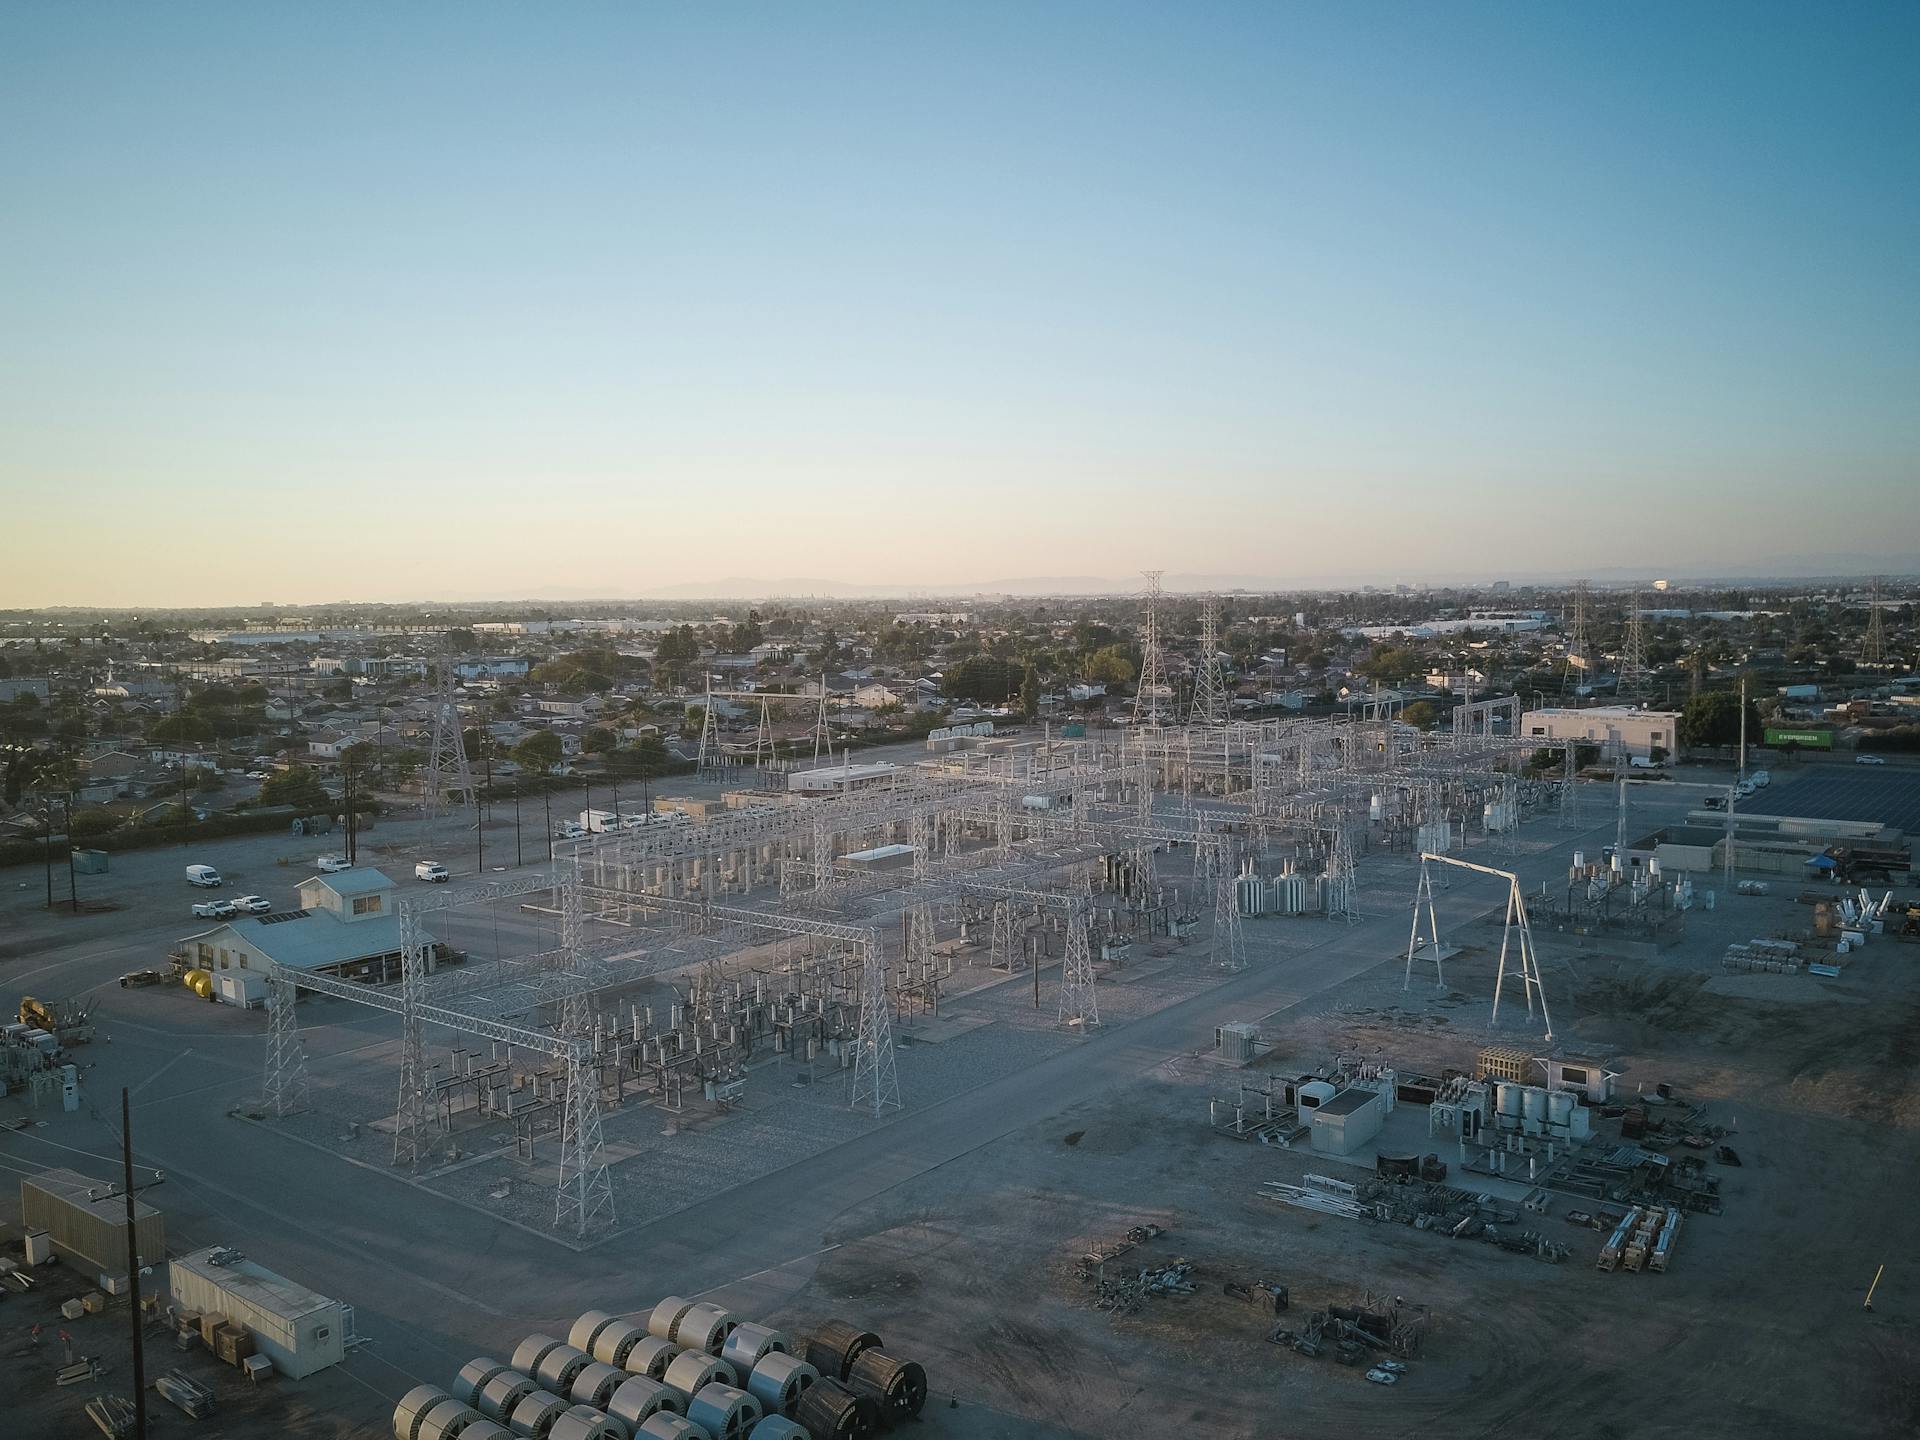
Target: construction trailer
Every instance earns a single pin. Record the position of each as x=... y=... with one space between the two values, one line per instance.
x=87 y=1221
x=300 y=1331
x=1347 y=1121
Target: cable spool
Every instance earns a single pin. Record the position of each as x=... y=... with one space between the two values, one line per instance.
x=724 y=1412
x=897 y=1387
x=693 y=1369
x=533 y=1417
x=670 y=1427
x=528 y=1354
x=413 y=1405
x=638 y=1399
x=666 y=1315
x=834 y=1346
x=611 y=1344
x=830 y=1411
x=748 y=1344
x=583 y=1422
x=446 y=1419
x=778 y=1380
x=649 y=1356
x=558 y=1367
x=474 y=1374
x=703 y=1327
x=586 y=1328
x=595 y=1384
x=502 y=1393
x=778 y=1427
x=486 y=1430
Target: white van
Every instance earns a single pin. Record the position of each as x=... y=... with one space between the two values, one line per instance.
x=431 y=871
x=204 y=876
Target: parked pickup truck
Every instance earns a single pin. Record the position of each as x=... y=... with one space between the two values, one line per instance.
x=214 y=910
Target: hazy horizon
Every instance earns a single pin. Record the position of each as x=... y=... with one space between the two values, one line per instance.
x=441 y=303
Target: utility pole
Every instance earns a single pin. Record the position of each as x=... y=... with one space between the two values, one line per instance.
x=133 y=1270
x=46 y=819
x=1743 y=727
x=73 y=890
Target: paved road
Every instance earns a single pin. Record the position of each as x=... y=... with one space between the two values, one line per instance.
x=436 y=1282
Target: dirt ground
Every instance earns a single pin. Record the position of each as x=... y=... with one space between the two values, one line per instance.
x=1757 y=1329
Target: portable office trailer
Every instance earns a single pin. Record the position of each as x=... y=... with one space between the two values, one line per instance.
x=91 y=1232
x=301 y=1332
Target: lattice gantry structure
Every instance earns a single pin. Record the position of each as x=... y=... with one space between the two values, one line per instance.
x=447 y=786
x=1211 y=702
x=1153 y=696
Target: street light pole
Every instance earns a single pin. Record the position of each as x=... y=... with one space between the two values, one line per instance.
x=133 y=1270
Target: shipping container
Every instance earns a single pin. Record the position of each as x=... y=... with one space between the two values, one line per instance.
x=87 y=1224
x=301 y=1332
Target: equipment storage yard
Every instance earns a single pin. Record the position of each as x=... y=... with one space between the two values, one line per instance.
x=975 y=1103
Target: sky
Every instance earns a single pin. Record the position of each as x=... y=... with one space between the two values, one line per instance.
x=454 y=301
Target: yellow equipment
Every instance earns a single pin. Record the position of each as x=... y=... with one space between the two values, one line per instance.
x=39 y=1015
x=200 y=982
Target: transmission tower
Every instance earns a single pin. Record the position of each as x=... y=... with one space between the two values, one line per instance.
x=1078 y=1006
x=449 y=782
x=1632 y=681
x=1339 y=879
x=1577 y=649
x=586 y=1189
x=410 y=1115
x=709 y=731
x=286 y=1087
x=1874 y=651
x=822 y=735
x=1229 y=939
x=876 y=1079
x=1150 y=699
x=1209 y=685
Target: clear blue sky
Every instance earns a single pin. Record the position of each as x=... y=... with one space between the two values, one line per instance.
x=415 y=300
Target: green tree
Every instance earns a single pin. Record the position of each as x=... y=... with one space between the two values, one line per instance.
x=184 y=728
x=539 y=752
x=1109 y=666
x=599 y=740
x=1030 y=693
x=1714 y=719
x=985 y=678
x=298 y=787
x=86 y=824
x=1421 y=713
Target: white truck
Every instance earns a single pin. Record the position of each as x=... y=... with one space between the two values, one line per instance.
x=205 y=876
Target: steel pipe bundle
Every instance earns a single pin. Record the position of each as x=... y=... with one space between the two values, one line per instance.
x=703 y=1327
x=473 y=1375
x=528 y=1354
x=1301 y=1198
x=535 y=1415
x=724 y=1412
x=830 y=1411
x=587 y=1328
x=778 y=1380
x=693 y=1369
x=666 y=1315
x=649 y=1356
x=898 y=1388
x=502 y=1392
x=583 y=1422
x=595 y=1384
x=412 y=1407
x=749 y=1344
x=638 y=1399
x=558 y=1367
x=670 y=1427
x=613 y=1341
x=835 y=1345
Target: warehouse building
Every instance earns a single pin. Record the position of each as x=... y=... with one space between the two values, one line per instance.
x=1626 y=728
x=86 y=1221
x=298 y=1330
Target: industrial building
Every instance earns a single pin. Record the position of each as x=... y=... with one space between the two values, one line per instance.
x=300 y=1331
x=346 y=925
x=1626 y=729
x=85 y=1221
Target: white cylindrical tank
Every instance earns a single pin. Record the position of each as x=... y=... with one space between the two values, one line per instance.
x=1534 y=1103
x=1506 y=1096
x=1560 y=1108
x=1579 y=859
x=1653 y=867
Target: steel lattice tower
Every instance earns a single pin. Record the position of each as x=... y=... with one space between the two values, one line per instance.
x=447 y=775
x=1001 y=946
x=1150 y=698
x=1632 y=680
x=1874 y=649
x=1210 y=704
x=586 y=1189
x=1578 y=657
x=876 y=1078
x=410 y=1115
x=1229 y=938
x=1339 y=879
x=286 y=1084
x=1078 y=1005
